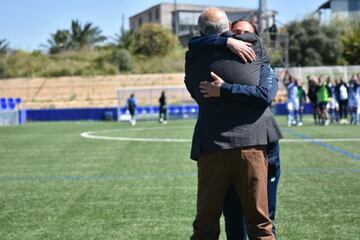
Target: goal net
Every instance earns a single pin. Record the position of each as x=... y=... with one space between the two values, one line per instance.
x=179 y=102
x=9 y=117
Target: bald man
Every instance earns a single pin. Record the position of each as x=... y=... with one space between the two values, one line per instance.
x=230 y=147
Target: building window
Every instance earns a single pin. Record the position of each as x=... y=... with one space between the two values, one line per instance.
x=140 y=21
x=150 y=16
x=157 y=14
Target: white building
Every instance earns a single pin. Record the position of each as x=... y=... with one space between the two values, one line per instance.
x=342 y=9
x=182 y=18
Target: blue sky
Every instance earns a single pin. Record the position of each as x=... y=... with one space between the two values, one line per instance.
x=28 y=23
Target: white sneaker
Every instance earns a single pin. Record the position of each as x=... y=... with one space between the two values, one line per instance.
x=327 y=122
x=289 y=123
x=299 y=124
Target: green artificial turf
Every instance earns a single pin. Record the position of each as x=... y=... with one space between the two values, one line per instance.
x=55 y=184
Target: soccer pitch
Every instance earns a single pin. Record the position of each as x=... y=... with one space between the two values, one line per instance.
x=100 y=180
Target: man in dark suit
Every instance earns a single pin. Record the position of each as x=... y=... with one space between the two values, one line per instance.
x=261 y=95
x=230 y=139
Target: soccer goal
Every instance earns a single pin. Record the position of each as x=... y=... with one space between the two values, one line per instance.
x=179 y=102
x=9 y=117
x=10 y=111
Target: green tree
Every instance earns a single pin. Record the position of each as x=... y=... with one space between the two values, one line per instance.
x=313 y=44
x=84 y=36
x=351 y=42
x=4 y=46
x=153 y=40
x=59 y=41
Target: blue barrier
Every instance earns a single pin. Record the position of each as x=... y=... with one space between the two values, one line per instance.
x=73 y=114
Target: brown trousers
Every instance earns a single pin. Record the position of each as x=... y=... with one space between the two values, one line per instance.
x=246 y=169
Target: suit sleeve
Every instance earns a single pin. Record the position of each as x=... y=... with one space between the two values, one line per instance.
x=209 y=42
x=260 y=95
x=190 y=87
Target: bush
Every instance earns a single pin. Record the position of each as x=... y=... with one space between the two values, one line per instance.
x=173 y=62
x=154 y=40
x=3 y=68
x=122 y=59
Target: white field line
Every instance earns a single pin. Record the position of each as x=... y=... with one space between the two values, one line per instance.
x=92 y=135
x=89 y=135
x=290 y=140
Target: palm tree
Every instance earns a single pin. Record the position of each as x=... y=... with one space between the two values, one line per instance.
x=59 y=41
x=84 y=36
x=126 y=39
x=4 y=46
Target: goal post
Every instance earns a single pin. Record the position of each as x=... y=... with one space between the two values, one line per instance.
x=179 y=102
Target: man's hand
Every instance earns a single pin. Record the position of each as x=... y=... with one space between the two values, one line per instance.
x=211 y=89
x=242 y=49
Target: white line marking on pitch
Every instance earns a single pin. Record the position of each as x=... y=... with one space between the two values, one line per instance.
x=91 y=135
x=322 y=140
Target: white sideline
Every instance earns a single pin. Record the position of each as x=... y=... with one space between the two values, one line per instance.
x=92 y=135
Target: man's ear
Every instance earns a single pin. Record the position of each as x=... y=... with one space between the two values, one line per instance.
x=230 y=23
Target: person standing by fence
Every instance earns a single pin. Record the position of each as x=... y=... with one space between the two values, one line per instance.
x=358 y=101
x=352 y=103
x=131 y=107
x=323 y=94
x=293 y=100
x=162 y=108
x=302 y=100
x=343 y=95
x=333 y=102
x=312 y=90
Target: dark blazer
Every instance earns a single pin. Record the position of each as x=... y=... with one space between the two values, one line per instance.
x=262 y=94
x=223 y=123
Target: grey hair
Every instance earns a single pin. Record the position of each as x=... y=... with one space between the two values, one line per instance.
x=207 y=27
